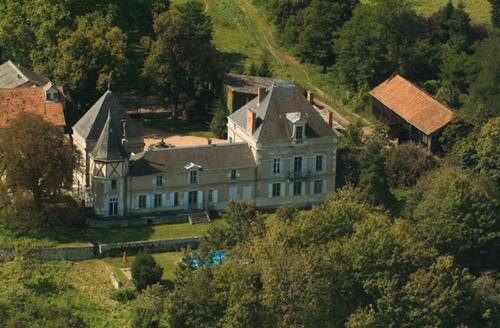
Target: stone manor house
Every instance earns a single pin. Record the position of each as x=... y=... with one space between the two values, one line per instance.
x=279 y=151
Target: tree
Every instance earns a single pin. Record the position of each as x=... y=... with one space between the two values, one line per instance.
x=321 y=21
x=243 y=222
x=218 y=124
x=264 y=69
x=488 y=150
x=182 y=63
x=406 y=163
x=91 y=57
x=456 y=213
x=485 y=83
x=495 y=12
x=373 y=177
x=148 y=308
x=145 y=271
x=40 y=162
x=441 y=295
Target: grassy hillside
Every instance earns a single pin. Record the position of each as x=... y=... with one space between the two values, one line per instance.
x=479 y=10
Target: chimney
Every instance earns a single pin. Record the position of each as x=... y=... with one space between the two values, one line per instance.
x=261 y=93
x=310 y=97
x=330 y=119
x=250 y=121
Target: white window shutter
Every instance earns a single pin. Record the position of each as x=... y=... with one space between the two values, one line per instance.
x=200 y=199
x=185 y=200
x=325 y=161
x=270 y=190
x=303 y=188
x=290 y=189
x=311 y=187
x=283 y=189
x=304 y=166
x=172 y=196
x=164 y=200
x=292 y=164
x=325 y=187
x=215 y=196
x=282 y=167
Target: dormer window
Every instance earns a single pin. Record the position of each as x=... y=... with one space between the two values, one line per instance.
x=193 y=177
x=298 y=126
x=299 y=132
x=159 y=180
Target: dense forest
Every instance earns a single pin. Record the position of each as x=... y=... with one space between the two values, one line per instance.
x=83 y=46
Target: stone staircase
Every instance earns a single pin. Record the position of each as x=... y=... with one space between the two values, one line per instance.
x=199 y=218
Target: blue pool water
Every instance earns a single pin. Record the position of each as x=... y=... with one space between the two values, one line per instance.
x=215 y=259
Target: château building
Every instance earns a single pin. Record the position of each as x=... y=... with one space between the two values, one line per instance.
x=279 y=151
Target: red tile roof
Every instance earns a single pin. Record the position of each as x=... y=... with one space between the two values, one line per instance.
x=30 y=100
x=412 y=104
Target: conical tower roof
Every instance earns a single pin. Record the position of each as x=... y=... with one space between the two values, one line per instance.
x=91 y=124
x=109 y=147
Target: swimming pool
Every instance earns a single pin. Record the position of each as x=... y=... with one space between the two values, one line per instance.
x=216 y=258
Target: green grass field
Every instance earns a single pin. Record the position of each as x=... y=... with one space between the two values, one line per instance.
x=181 y=127
x=166 y=260
x=79 y=237
x=479 y=10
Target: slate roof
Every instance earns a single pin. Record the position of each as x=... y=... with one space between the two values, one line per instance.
x=210 y=157
x=412 y=104
x=92 y=123
x=15 y=76
x=29 y=100
x=271 y=121
x=247 y=83
x=109 y=146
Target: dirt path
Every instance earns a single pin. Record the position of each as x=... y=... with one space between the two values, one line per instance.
x=284 y=58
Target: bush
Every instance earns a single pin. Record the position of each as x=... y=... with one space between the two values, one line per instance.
x=219 y=120
x=145 y=271
x=148 y=308
x=123 y=295
x=287 y=213
x=406 y=163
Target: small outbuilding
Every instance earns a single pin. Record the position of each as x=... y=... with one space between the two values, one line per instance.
x=411 y=113
x=240 y=89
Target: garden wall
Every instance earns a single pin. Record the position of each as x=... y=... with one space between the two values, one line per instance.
x=108 y=250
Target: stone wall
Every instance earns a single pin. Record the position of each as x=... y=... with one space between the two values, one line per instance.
x=107 y=250
x=153 y=246
x=137 y=222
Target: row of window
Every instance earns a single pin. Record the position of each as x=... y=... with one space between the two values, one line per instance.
x=297 y=188
x=298 y=164
x=193 y=177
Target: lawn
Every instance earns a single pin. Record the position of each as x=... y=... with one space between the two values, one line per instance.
x=479 y=10
x=166 y=260
x=78 y=237
x=181 y=127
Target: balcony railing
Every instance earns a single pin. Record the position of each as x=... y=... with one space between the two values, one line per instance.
x=299 y=175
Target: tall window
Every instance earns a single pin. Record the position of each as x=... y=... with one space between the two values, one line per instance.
x=318 y=186
x=176 y=199
x=297 y=164
x=159 y=181
x=276 y=190
x=233 y=175
x=113 y=206
x=297 y=188
x=113 y=184
x=193 y=176
x=210 y=195
x=142 y=201
x=157 y=200
x=299 y=132
x=276 y=166
x=319 y=163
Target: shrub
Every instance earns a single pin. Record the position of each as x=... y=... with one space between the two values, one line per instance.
x=145 y=271
x=123 y=295
x=148 y=308
x=406 y=163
